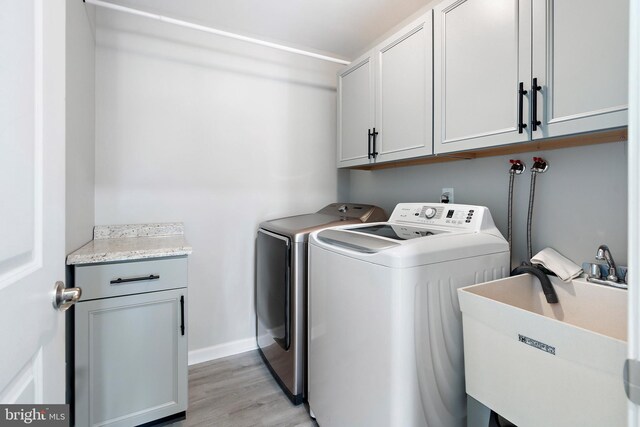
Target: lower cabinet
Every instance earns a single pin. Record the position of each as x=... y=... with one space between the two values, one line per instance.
x=130 y=358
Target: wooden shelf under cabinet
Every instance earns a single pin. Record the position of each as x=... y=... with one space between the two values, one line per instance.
x=608 y=136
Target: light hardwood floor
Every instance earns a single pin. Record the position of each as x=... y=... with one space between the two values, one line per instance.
x=239 y=391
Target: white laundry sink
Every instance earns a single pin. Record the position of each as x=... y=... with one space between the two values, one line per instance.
x=540 y=364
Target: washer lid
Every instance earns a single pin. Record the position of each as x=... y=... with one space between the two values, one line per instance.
x=437 y=248
x=398 y=231
x=364 y=213
x=298 y=227
x=355 y=241
x=378 y=237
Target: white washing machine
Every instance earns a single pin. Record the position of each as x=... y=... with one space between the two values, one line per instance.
x=385 y=328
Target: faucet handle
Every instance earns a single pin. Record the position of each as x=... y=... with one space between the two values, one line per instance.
x=517 y=166
x=605 y=254
x=540 y=165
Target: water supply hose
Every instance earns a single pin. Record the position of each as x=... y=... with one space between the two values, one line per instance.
x=510 y=210
x=540 y=165
x=517 y=167
x=532 y=192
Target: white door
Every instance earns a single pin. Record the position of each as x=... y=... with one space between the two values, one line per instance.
x=482 y=52
x=634 y=206
x=355 y=113
x=32 y=199
x=404 y=93
x=580 y=61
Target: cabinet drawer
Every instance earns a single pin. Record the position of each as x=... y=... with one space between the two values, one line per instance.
x=134 y=277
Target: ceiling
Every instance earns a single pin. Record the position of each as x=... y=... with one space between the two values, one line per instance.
x=344 y=28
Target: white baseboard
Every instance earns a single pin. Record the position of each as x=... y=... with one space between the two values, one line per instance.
x=207 y=354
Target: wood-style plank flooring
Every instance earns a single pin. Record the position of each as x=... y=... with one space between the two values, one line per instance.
x=239 y=391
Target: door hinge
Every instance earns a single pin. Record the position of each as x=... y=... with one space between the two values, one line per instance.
x=631 y=377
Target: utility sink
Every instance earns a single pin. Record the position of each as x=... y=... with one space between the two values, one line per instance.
x=540 y=364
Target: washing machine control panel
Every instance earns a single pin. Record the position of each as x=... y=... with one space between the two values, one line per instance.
x=441 y=214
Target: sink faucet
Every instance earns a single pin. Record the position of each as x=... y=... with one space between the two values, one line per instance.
x=605 y=254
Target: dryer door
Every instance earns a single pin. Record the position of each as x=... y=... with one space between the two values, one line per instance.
x=273 y=289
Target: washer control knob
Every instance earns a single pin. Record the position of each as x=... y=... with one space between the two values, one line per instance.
x=430 y=213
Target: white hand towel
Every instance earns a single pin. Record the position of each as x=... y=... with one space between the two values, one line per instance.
x=554 y=261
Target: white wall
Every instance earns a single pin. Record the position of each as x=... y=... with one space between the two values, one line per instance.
x=580 y=202
x=215 y=133
x=80 y=124
x=223 y=135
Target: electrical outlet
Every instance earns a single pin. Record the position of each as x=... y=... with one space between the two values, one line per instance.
x=447 y=195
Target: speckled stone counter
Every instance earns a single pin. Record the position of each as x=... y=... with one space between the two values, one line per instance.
x=112 y=243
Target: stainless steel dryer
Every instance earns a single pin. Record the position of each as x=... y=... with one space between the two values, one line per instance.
x=281 y=289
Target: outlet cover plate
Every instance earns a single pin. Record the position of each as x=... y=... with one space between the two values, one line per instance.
x=445 y=191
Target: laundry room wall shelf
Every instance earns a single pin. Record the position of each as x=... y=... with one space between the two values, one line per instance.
x=608 y=136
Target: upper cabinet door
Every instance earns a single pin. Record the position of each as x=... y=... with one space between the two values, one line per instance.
x=404 y=93
x=482 y=52
x=355 y=112
x=580 y=61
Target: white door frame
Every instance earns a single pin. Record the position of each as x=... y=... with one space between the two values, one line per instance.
x=634 y=195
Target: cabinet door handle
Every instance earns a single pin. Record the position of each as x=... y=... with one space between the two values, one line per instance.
x=534 y=104
x=369 y=135
x=182 y=314
x=521 y=93
x=135 y=279
x=374 y=153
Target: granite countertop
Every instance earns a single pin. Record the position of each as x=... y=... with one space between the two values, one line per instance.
x=112 y=243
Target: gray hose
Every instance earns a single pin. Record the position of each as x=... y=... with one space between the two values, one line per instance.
x=510 y=213
x=532 y=191
x=547 y=287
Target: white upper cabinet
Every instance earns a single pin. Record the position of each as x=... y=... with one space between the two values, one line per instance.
x=580 y=61
x=482 y=54
x=570 y=56
x=355 y=112
x=404 y=93
x=385 y=99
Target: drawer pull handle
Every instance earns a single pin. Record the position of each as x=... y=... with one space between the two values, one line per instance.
x=135 y=279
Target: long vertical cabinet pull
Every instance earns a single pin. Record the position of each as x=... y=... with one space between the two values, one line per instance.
x=369 y=152
x=182 y=314
x=534 y=104
x=374 y=153
x=521 y=93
